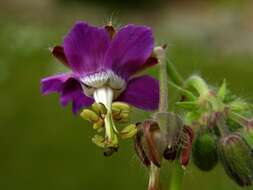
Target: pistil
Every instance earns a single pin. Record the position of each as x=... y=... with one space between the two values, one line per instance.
x=104 y=95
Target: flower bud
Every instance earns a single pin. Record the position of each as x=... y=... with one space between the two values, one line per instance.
x=172 y=133
x=247 y=134
x=150 y=143
x=237 y=159
x=187 y=140
x=204 y=151
x=139 y=148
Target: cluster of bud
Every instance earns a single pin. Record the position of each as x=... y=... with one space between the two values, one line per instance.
x=223 y=126
x=153 y=143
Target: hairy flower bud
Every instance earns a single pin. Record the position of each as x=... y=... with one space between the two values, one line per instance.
x=172 y=133
x=247 y=134
x=150 y=143
x=204 y=151
x=187 y=139
x=237 y=159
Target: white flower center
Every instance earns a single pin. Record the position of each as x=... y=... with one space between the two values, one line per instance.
x=103 y=79
x=104 y=95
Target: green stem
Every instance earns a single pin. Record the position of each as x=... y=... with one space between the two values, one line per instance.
x=173 y=74
x=178 y=172
x=177 y=176
x=166 y=69
x=163 y=107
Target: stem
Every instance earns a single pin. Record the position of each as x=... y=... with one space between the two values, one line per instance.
x=174 y=75
x=163 y=107
x=165 y=70
x=154 y=171
x=177 y=176
x=154 y=178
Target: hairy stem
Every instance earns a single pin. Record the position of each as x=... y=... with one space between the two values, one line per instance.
x=166 y=69
x=163 y=106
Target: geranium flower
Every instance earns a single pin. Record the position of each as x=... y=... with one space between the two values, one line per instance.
x=103 y=64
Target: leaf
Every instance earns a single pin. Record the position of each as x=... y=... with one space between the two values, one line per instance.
x=221 y=94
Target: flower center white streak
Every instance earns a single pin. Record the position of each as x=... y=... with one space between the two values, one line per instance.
x=104 y=95
x=103 y=79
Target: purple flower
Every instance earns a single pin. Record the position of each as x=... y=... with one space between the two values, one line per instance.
x=103 y=64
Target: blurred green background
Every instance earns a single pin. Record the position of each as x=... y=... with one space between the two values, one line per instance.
x=46 y=147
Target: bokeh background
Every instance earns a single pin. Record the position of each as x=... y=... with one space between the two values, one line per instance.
x=46 y=147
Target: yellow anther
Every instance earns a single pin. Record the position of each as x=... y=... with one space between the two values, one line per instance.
x=120 y=106
x=90 y=115
x=129 y=131
x=99 y=141
x=99 y=108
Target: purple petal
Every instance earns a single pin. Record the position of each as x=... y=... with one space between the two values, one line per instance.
x=142 y=92
x=129 y=50
x=69 y=88
x=54 y=83
x=72 y=91
x=85 y=47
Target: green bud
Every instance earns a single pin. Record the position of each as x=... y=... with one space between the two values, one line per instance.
x=197 y=84
x=247 y=135
x=192 y=117
x=239 y=106
x=90 y=115
x=232 y=125
x=129 y=131
x=204 y=151
x=237 y=159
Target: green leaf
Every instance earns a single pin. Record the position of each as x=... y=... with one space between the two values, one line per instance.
x=191 y=105
x=221 y=94
x=190 y=96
